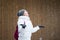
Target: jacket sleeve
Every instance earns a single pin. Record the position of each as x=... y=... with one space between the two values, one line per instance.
x=18 y=23
x=34 y=29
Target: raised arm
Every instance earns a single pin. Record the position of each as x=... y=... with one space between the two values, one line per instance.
x=37 y=28
x=34 y=29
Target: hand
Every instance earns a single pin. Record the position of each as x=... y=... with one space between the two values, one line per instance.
x=23 y=25
x=41 y=26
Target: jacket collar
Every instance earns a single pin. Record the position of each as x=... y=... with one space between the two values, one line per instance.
x=24 y=17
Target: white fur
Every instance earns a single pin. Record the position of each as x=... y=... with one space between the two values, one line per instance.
x=25 y=34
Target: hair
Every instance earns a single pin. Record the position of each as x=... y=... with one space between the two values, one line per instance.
x=21 y=12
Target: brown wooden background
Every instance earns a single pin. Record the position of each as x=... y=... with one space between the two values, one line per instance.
x=42 y=12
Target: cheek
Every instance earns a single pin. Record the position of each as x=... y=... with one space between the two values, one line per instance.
x=27 y=14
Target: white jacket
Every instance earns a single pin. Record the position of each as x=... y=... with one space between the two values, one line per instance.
x=25 y=34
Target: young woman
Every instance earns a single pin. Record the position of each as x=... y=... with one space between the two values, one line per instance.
x=25 y=27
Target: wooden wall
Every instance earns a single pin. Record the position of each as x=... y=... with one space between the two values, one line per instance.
x=42 y=12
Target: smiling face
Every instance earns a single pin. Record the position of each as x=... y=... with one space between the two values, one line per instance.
x=26 y=13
